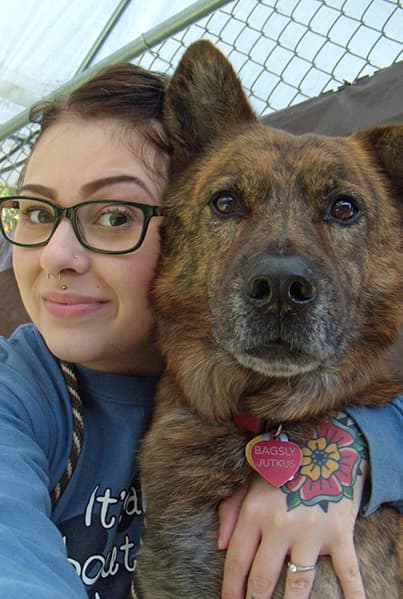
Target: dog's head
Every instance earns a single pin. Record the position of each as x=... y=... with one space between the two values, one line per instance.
x=281 y=254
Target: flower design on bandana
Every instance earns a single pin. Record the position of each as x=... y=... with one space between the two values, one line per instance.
x=330 y=465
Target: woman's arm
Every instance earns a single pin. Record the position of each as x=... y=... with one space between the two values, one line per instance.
x=263 y=525
x=383 y=431
x=33 y=558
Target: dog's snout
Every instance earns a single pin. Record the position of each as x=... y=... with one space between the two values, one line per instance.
x=285 y=282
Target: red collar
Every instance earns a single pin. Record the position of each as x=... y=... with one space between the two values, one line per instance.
x=252 y=424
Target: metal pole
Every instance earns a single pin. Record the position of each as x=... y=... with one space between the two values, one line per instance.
x=109 y=25
x=157 y=34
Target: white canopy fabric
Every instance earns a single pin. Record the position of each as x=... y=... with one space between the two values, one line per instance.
x=43 y=42
x=296 y=49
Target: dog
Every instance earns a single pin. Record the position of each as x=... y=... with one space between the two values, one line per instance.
x=278 y=291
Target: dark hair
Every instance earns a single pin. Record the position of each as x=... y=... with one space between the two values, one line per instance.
x=124 y=92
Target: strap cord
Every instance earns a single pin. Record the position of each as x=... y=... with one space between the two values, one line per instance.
x=70 y=379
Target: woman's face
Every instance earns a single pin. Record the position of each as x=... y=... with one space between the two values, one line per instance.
x=102 y=319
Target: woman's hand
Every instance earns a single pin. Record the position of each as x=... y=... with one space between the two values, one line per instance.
x=262 y=526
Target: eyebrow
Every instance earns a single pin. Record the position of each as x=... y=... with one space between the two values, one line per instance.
x=89 y=188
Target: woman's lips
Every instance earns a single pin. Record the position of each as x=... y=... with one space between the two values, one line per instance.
x=70 y=305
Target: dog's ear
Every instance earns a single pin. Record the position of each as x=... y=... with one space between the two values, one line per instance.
x=204 y=99
x=385 y=144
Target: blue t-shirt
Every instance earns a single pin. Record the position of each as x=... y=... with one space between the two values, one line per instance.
x=86 y=546
x=97 y=522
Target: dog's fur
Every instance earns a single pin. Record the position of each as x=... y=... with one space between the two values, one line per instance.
x=229 y=349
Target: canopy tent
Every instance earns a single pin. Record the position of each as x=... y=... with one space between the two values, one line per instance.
x=45 y=43
x=285 y=51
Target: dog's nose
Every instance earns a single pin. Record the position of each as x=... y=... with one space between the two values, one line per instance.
x=285 y=282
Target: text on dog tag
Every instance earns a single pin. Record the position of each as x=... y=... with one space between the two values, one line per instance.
x=276 y=460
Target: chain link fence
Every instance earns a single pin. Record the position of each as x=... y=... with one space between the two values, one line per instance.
x=285 y=51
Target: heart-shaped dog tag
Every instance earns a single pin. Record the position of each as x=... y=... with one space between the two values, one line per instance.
x=274 y=459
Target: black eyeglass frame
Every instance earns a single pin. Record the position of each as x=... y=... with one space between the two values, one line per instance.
x=148 y=211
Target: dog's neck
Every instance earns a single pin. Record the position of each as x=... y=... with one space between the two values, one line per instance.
x=248 y=422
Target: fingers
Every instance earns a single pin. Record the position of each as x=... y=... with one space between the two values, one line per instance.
x=228 y=512
x=265 y=572
x=347 y=569
x=300 y=573
x=345 y=563
x=240 y=555
x=253 y=566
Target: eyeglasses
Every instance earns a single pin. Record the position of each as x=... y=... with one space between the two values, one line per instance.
x=103 y=226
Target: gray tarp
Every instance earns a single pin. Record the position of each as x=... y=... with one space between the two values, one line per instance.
x=368 y=101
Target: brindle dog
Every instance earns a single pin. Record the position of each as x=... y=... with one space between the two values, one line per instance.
x=278 y=291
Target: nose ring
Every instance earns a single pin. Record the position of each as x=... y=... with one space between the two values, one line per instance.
x=58 y=275
x=59 y=278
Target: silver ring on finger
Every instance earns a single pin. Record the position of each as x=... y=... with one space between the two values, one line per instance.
x=297 y=568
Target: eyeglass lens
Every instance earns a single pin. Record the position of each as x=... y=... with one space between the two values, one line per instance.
x=102 y=225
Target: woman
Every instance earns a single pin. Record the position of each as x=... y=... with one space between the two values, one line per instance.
x=90 y=307
x=85 y=233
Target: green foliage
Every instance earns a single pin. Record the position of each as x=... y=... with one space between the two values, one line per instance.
x=6 y=191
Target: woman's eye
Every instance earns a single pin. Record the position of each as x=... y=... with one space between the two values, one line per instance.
x=114 y=218
x=225 y=204
x=344 y=210
x=38 y=216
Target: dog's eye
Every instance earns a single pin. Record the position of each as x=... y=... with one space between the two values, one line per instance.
x=344 y=210
x=225 y=204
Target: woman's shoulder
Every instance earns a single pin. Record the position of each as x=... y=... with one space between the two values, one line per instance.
x=24 y=334
x=30 y=377
x=33 y=395
x=25 y=348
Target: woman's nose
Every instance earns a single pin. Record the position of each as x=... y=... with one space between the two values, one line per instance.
x=64 y=251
